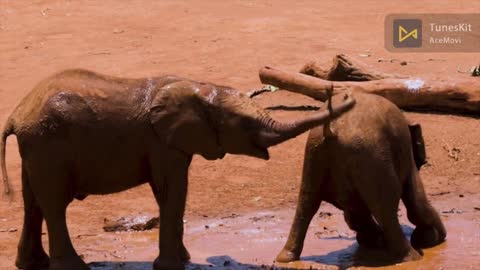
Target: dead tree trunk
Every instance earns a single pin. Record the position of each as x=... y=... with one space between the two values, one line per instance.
x=345 y=68
x=459 y=96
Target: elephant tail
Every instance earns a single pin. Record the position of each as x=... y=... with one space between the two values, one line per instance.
x=7 y=131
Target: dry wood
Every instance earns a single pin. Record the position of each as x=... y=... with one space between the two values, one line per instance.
x=460 y=96
x=345 y=68
x=296 y=82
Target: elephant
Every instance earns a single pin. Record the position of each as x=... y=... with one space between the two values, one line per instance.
x=83 y=133
x=364 y=164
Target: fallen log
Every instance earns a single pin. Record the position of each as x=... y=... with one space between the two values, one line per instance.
x=458 y=96
x=345 y=68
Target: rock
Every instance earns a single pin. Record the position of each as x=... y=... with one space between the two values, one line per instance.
x=140 y=223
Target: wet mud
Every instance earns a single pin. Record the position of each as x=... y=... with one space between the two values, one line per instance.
x=252 y=240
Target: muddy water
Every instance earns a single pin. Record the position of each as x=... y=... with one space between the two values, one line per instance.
x=251 y=241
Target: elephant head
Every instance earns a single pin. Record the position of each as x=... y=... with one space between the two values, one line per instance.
x=211 y=120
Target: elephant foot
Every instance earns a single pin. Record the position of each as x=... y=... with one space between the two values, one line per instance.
x=412 y=255
x=397 y=255
x=184 y=254
x=426 y=237
x=287 y=256
x=167 y=264
x=372 y=240
x=70 y=263
x=38 y=260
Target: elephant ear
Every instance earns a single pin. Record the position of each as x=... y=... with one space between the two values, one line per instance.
x=418 y=145
x=181 y=120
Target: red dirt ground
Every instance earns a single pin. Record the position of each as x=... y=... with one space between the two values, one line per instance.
x=227 y=43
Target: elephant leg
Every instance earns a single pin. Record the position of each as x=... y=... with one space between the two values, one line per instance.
x=31 y=254
x=306 y=209
x=53 y=199
x=382 y=201
x=183 y=252
x=360 y=220
x=395 y=241
x=309 y=201
x=62 y=253
x=429 y=229
x=171 y=194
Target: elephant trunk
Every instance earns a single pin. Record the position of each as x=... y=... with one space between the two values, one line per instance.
x=275 y=132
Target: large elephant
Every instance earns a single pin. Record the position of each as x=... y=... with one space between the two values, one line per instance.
x=364 y=166
x=82 y=133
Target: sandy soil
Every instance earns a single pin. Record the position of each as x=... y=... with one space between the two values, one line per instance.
x=227 y=44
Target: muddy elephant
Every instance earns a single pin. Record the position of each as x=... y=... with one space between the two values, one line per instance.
x=364 y=165
x=81 y=133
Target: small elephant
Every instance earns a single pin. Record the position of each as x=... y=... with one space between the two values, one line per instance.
x=82 y=133
x=364 y=167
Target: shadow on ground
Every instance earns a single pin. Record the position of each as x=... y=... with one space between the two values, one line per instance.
x=213 y=263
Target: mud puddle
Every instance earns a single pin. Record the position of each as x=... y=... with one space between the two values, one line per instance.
x=251 y=241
